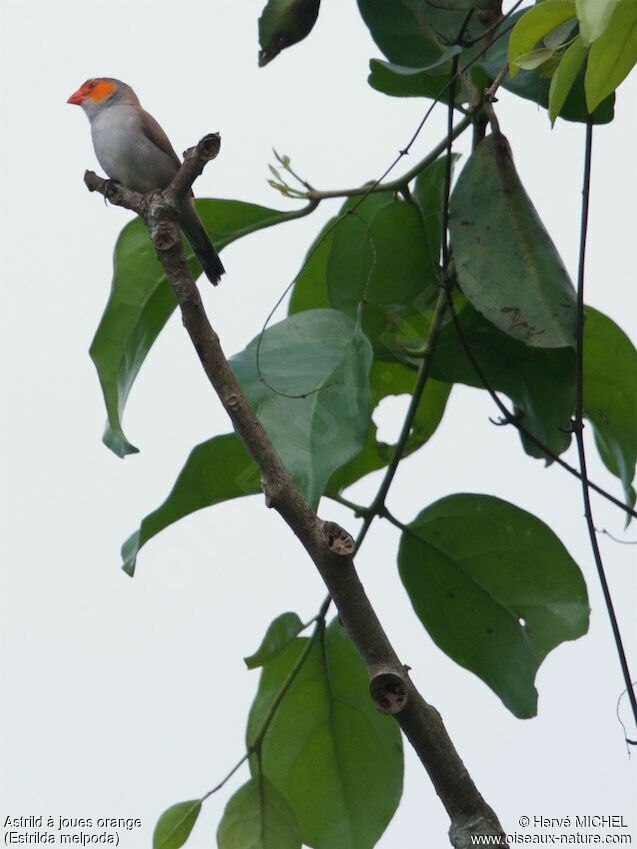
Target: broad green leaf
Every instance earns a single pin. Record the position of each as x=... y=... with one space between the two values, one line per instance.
x=141 y=302
x=323 y=358
x=311 y=288
x=407 y=30
x=495 y=589
x=539 y=381
x=610 y=395
x=380 y=257
x=281 y=632
x=565 y=76
x=507 y=265
x=534 y=59
x=258 y=817
x=532 y=86
x=534 y=24
x=175 y=824
x=594 y=16
x=389 y=378
x=283 y=23
x=403 y=81
x=613 y=55
x=337 y=761
x=216 y=470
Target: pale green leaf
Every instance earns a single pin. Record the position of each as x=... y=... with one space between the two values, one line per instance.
x=594 y=16
x=613 y=55
x=310 y=392
x=534 y=25
x=534 y=59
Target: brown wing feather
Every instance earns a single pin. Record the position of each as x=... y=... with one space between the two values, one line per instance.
x=158 y=137
x=153 y=131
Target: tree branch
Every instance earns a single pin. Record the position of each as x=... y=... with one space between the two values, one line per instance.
x=419 y=721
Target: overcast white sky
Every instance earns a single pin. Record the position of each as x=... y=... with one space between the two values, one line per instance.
x=119 y=696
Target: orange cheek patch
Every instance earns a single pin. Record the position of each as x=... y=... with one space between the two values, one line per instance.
x=101 y=90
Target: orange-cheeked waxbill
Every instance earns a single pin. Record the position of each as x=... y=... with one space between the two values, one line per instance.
x=134 y=150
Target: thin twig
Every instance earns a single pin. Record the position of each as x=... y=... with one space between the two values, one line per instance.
x=616 y=539
x=578 y=424
x=227 y=778
x=497 y=82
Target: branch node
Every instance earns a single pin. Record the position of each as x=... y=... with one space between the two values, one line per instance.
x=389 y=692
x=207 y=148
x=164 y=236
x=233 y=401
x=338 y=540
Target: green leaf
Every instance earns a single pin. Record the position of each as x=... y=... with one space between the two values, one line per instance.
x=380 y=257
x=337 y=761
x=175 y=824
x=594 y=16
x=429 y=192
x=495 y=589
x=403 y=81
x=532 y=86
x=323 y=356
x=507 y=265
x=610 y=395
x=281 y=632
x=283 y=23
x=258 y=817
x=407 y=30
x=141 y=302
x=310 y=289
x=534 y=24
x=560 y=34
x=534 y=59
x=393 y=379
x=613 y=55
x=539 y=381
x=216 y=470
x=565 y=76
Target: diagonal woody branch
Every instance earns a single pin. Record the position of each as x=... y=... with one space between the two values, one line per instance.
x=420 y=722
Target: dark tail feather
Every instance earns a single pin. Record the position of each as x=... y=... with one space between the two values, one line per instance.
x=202 y=246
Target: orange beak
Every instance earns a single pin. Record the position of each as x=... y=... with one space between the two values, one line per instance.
x=77 y=97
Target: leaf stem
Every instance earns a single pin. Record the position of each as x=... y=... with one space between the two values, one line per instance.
x=400 y=182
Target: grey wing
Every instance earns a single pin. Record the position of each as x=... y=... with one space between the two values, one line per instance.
x=166 y=160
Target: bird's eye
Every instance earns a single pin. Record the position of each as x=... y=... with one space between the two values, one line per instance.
x=92 y=84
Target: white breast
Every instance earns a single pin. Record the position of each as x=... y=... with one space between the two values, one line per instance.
x=125 y=152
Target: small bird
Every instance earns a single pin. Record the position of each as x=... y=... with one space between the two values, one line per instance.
x=134 y=150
